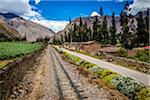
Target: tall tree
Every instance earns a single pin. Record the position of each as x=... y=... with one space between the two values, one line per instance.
x=147 y=20
x=101 y=11
x=62 y=39
x=127 y=38
x=95 y=29
x=80 y=30
x=142 y=33
x=66 y=37
x=113 y=30
x=70 y=31
x=54 y=39
x=104 y=30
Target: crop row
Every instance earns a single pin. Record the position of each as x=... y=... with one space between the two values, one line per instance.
x=126 y=85
x=17 y=49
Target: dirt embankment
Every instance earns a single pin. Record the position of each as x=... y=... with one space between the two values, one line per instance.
x=18 y=72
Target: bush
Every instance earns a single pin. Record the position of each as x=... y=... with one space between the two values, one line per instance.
x=121 y=52
x=95 y=69
x=142 y=55
x=110 y=77
x=77 y=60
x=103 y=73
x=127 y=86
x=144 y=94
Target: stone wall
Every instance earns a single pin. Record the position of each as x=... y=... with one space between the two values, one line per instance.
x=13 y=73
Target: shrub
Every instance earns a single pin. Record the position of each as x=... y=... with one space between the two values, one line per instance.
x=126 y=85
x=121 y=52
x=110 y=77
x=77 y=60
x=103 y=73
x=144 y=94
x=95 y=69
x=142 y=55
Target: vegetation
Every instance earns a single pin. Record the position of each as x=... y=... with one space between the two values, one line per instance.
x=121 y=52
x=142 y=55
x=144 y=94
x=128 y=37
x=127 y=86
x=4 y=62
x=113 y=30
x=17 y=49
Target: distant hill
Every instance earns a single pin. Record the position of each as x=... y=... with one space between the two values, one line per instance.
x=89 y=20
x=19 y=27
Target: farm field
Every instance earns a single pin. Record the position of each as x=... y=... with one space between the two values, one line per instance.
x=16 y=49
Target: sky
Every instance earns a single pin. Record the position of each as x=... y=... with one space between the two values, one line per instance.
x=54 y=14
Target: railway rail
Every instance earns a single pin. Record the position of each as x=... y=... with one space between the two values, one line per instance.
x=67 y=90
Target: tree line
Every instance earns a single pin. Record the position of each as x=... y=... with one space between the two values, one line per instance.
x=128 y=37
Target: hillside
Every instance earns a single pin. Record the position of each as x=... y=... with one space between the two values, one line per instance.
x=90 y=20
x=6 y=31
x=31 y=30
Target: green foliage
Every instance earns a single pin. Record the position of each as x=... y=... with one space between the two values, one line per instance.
x=110 y=77
x=94 y=69
x=16 y=49
x=101 y=11
x=121 y=52
x=127 y=86
x=118 y=43
x=144 y=94
x=104 y=31
x=142 y=32
x=113 y=30
x=103 y=73
x=142 y=55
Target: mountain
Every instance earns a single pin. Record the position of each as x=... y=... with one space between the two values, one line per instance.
x=6 y=31
x=90 y=20
x=23 y=28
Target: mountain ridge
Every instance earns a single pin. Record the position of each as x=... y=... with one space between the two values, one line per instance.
x=32 y=31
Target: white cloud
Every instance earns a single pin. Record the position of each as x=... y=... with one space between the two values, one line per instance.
x=94 y=13
x=19 y=7
x=52 y=24
x=139 y=5
x=37 y=1
x=24 y=9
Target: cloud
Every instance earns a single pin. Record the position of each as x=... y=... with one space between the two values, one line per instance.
x=37 y=1
x=25 y=10
x=139 y=5
x=94 y=13
x=19 y=7
x=52 y=24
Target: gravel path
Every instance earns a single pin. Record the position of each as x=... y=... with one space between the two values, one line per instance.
x=141 y=77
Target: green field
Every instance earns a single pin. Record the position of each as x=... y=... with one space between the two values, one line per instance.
x=16 y=49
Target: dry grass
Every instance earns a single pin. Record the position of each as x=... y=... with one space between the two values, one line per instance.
x=4 y=62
